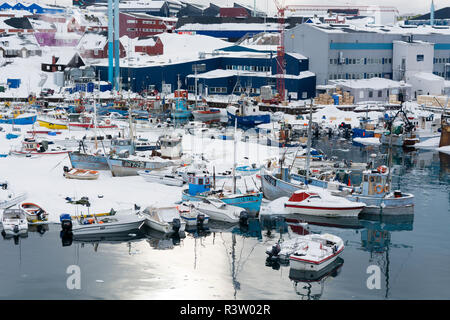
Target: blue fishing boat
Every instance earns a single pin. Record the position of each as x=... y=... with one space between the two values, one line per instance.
x=200 y=188
x=21 y=119
x=253 y=169
x=181 y=111
x=247 y=114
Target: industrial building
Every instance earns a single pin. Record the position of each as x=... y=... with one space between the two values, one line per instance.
x=364 y=52
x=228 y=70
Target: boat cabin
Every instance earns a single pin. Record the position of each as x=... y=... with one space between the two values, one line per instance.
x=170 y=147
x=300 y=196
x=246 y=107
x=374 y=182
x=199 y=184
x=120 y=145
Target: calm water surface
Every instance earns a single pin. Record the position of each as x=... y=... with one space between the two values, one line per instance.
x=229 y=262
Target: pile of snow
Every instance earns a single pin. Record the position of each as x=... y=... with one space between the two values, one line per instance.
x=368 y=141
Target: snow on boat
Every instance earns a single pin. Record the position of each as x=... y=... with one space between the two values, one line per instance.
x=163 y=177
x=306 y=202
x=316 y=252
x=34 y=213
x=123 y=220
x=191 y=215
x=80 y=174
x=14 y=222
x=166 y=219
x=248 y=170
x=30 y=146
x=206 y=114
x=220 y=211
x=9 y=198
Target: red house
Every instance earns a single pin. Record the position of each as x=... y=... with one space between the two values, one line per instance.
x=95 y=46
x=152 y=46
x=137 y=25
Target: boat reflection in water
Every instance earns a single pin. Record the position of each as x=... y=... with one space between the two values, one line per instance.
x=376 y=239
x=162 y=241
x=105 y=238
x=309 y=285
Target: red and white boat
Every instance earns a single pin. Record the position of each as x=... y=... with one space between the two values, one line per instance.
x=312 y=203
x=316 y=251
x=31 y=146
x=34 y=213
x=87 y=122
x=204 y=113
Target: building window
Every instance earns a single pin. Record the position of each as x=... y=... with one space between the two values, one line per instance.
x=304 y=95
x=331 y=61
x=420 y=57
x=380 y=94
x=131 y=21
x=370 y=94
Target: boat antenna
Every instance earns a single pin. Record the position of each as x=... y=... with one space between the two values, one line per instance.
x=234 y=156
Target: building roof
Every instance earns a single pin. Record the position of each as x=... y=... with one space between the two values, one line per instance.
x=93 y=40
x=443 y=13
x=395 y=30
x=17 y=42
x=373 y=83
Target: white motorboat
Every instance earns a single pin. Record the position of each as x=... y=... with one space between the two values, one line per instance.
x=165 y=219
x=8 y=198
x=123 y=220
x=316 y=251
x=14 y=222
x=323 y=204
x=191 y=215
x=162 y=176
x=219 y=210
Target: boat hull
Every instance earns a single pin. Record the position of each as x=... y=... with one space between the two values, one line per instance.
x=248 y=121
x=206 y=116
x=164 y=227
x=107 y=227
x=124 y=168
x=388 y=206
x=20 y=120
x=251 y=203
x=52 y=125
x=298 y=263
x=321 y=211
x=87 y=161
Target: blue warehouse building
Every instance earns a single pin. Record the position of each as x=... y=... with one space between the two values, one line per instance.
x=226 y=71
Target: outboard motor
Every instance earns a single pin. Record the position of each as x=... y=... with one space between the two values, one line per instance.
x=176 y=224
x=16 y=228
x=200 y=221
x=66 y=169
x=243 y=218
x=66 y=222
x=274 y=251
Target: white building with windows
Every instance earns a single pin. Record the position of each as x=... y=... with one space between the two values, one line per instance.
x=339 y=51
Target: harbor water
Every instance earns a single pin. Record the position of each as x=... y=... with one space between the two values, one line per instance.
x=229 y=261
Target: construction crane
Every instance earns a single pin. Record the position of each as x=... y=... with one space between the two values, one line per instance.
x=281 y=63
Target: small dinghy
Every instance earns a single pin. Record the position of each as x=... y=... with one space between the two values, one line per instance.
x=191 y=215
x=122 y=221
x=163 y=177
x=316 y=252
x=312 y=203
x=34 y=213
x=220 y=211
x=14 y=222
x=166 y=219
x=80 y=174
x=8 y=198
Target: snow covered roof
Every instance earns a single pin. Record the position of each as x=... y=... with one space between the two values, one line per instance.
x=230 y=26
x=17 y=42
x=428 y=76
x=370 y=28
x=373 y=83
x=93 y=40
x=220 y=73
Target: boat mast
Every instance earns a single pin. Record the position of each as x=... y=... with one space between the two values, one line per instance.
x=234 y=156
x=308 y=150
x=95 y=115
